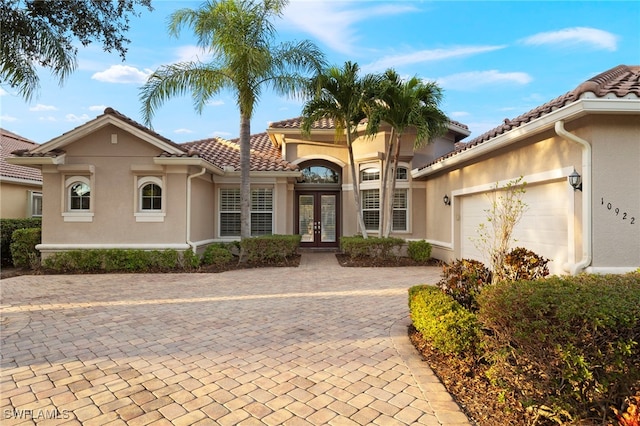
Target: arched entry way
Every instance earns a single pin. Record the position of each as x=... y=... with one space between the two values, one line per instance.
x=318 y=201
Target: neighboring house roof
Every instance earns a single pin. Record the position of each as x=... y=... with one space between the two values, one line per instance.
x=619 y=82
x=226 y=153
x=10 y=142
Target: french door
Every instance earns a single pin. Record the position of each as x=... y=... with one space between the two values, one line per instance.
x=318 y=218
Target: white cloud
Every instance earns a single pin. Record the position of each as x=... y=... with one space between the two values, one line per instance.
x=97 y=108
x=183 y=131
x=474 y=79
x=122 y=74
x=191 y=53
x=3 y=92
x=332 y=23
x=76 y=118
x=427 y=56
x=7 y=118
x=41 y=107
x=597 y=39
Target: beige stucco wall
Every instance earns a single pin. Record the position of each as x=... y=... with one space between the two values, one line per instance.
x=114 y=193
x=203 y=218
x=14 y=200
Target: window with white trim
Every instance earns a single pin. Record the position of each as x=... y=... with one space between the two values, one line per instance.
x=78 y=194
x=150 y=199
x=261 y=212
x=34 y=204
x=370 y=195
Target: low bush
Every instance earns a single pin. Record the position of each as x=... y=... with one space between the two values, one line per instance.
x=568 y=346
x=463 y=280
x=523 y=264
x=445 y=323
x=7 y=227
x=376 y=247
x=270 y=248
x=117 y=260
x=23 y=248
x=420 y=251
x=217 y=255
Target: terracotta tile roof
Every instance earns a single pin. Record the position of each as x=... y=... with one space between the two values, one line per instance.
x=326 y=123
x=226 y=153
x=619 y=82
x=10 y=142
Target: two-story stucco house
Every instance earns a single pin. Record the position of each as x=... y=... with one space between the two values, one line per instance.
x=114 y=183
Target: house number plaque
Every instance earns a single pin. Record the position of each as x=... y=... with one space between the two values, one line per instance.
x=619 y=213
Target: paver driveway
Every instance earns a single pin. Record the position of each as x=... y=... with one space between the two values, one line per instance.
x=317 y=344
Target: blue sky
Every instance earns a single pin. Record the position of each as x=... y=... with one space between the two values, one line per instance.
x=494 y=60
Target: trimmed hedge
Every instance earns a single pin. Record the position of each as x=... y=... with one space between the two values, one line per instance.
x=420 y=251
x=217 y=255
x=358 y=246
x=117 y=260
x=7 y=226
x=441 y=320
x=23 y=247
x=568 y=343
x=270 y=248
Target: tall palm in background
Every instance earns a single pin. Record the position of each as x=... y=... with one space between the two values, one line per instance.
x=343 y=96
x=240 y=36
x=404 y=104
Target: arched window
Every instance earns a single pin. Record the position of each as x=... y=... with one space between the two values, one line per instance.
x=150 y=197
x=320 y=173
x=370 y=174
x=150 y=201
x=78 y=194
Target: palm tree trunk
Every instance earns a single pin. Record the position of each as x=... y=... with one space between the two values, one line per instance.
x=356 y=188
x=245 y=182
x=392 y=191
x=384 y=184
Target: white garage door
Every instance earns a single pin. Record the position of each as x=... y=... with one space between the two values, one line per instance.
x=543 y=228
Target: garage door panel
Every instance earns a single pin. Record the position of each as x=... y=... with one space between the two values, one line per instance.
x=543 y=228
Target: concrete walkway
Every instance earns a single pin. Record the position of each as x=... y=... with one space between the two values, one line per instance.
x=313 y=345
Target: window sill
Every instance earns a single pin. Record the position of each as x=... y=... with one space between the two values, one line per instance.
x=77 y=216
x=150 y=217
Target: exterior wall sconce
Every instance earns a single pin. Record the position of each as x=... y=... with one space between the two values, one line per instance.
x=575 y=180
x=446 y=200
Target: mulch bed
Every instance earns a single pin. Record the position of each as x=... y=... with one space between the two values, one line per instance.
x=371 y=262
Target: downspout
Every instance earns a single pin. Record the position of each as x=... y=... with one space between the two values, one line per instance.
x=587 y=243
x=191 y=243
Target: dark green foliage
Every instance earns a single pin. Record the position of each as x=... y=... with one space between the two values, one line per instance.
x=270 y=248
x=568 y=343
x=216 y=255
x=523 y=264
x=23 y=247
x=463 y=280
x=449 y=327
x=117 y=260
x=383 y=248
x=420 y=251
x=7 y=226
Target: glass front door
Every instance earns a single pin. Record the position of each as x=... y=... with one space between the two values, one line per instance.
x=318 y=219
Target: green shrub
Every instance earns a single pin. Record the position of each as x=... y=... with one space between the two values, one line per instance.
x=567 y=343
x=420 y=251
x=23 y=248
x=7 y=226
x=188 y=260
x=216 y=255
x=463 y=280
x=375 y=247
x=448 y=326
x=523 y=264
x=270 y=248
x=117 y=260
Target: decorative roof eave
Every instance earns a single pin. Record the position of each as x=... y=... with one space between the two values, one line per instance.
x=29 y=182
x=279 y=135
x=571 y=111
x=269 y=173
x=98 y=123
x=37 y=161
x=188 y=161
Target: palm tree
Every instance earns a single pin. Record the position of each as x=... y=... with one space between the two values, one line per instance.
x=240 y=36
x=403 y=105
x=341 y=95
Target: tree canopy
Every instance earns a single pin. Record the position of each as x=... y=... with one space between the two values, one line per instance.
x=39 y=33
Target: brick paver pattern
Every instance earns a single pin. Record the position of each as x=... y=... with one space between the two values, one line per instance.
x=313 y=345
